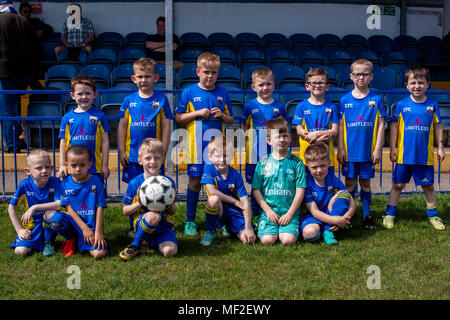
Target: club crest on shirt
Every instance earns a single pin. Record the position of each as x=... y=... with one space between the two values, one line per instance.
x=94 y=188
x=372 y=104
x=430 y=109
x=276 y=112
x=155 y=105
x=93 y=119
x=219 y=99
x=328 y=111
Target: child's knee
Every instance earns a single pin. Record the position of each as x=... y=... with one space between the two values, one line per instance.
x=287 y=239
x=168 y=249
x=365 y=184
x=398 y=186
x=311 y=232
x=22 y=251
x=269 y=240
x=213 y=202
x=98 y=254
x=48 y=215
x=152 y=218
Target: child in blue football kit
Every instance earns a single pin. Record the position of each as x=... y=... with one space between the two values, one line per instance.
x=143 y=114
x=39 y=194
x=83 y=196
x=330 y=206
x=227 y=207
x=361 y=135
x=205 y=109
x=87 y=126
x=155 y=228
x=278 y=187
x=417 y=121
x=254 y=121
x=316 y=118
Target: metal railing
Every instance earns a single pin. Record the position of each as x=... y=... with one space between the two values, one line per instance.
x=51 y=123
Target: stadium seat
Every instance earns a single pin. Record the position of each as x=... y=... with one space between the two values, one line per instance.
x=103 y=56
x=275 y=39
x=329 y=40
x=302 y=40
x=60 y=73
x=100 y=73
x=48 y=57
x=355 y=40
x=392 y=57
x=63 y=58
x=193 y=39
x=130 y=55
x=408 y=46
x=190 y=54
x=311 y=59
x=110 y=39
x=247 y=72
x=336 y=59
x=248 y=39
x=391 y=99
x=187 y=75
x=335 y=96
x=434 y=56
x=444 y=105
x=122 y=73
x=55 y=38
x=426 y=42
x=250 y=56
x=221 y=40
x=230 y=75
x=44 y=134
x=52 y=97
x=384 y=78
x=286 y=75
x=135 y=40
x=226 y=54
x=278 y=55
x=371 y=56
x=332 y=76
x=237 y=107
x=380 y=43
x=161 y=71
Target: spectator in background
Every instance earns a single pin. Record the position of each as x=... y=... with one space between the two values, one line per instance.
x=19 y=63
x=77 y=37
x=156 y=45
x=43 y=30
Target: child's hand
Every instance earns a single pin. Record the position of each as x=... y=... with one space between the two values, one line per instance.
x=138 y=197
x=204 y=113
x=88 y=236
x=99 y=241
x=393 y=154
x=239 y=204
x=324 y=137
x=123 y=159
x=24 y=234
x=341 y=222
x=62 y=172
x=27 y=215
x=105 y=172
x=441 y=155
x=376 y=156
x=272 y=216
x=284 y=219
x=248 y=236
x=340 y=156
x=217 y=113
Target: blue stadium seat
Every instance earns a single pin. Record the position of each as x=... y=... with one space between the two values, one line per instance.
x=55 y=38
x=48 y=57
x=161 y=71
x=380 y=43
x=103 y=56
x=371 y=56
x=63 y=58
x=250 y=55
x=392 y=57
x=311 y=59
x=60 y=73
x=329 y=40
x=278 y=55
x=130 y=55
x=221 y=40
x=100 y=73
x=110 y=39
x=384 y=78
x=237 y=107
x=275 y=39
x=229 y=74
x=190 y=54
x=247 y=75
x=332 y=76
x=135 y=40
x=286 y=75
x=434 y=56
x=44 y=109
x=187 y=75
x=355 y=40
x=226 y=54
x=426 y=42
x=193 y=39
x=391 y=99
x=335 y=97
x=122 y=73
x=338 y=58
x=302 y=40
x=52 y=97
x=248 y=39
x=444 y=105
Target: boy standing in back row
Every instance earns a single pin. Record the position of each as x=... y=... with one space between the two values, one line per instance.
x=361 y=133
x=417 y=120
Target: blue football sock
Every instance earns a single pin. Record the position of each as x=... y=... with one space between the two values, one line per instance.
x=432 y=212
x=191 y=202
x=313 y=239
x=143 y=232
x=391 y=210
x=341 y=204
x=212 y=219
x=366 y=198
x=353 y=193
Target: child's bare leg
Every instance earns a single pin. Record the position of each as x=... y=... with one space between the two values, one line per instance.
x=22 y=251
x=168 y=249
x=287 y=239
x=269 y=239
x=311 y=232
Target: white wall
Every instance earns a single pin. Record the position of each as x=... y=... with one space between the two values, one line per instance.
x=260 y=18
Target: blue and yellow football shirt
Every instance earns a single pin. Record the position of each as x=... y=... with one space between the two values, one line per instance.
x=416 y=126
x=201 y=131
x=316 y=118
x=255 y=117
x=144 y=117
x=360 y=122
x=322 y=195
x=232 y=186
x=85 y=128
x=84 y=197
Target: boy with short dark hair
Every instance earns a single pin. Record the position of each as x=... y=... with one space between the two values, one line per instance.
x=280 y=174
x=361 y=135
x=417 y=123
x=143 y=114
x=205 y=109
x=83 y=195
